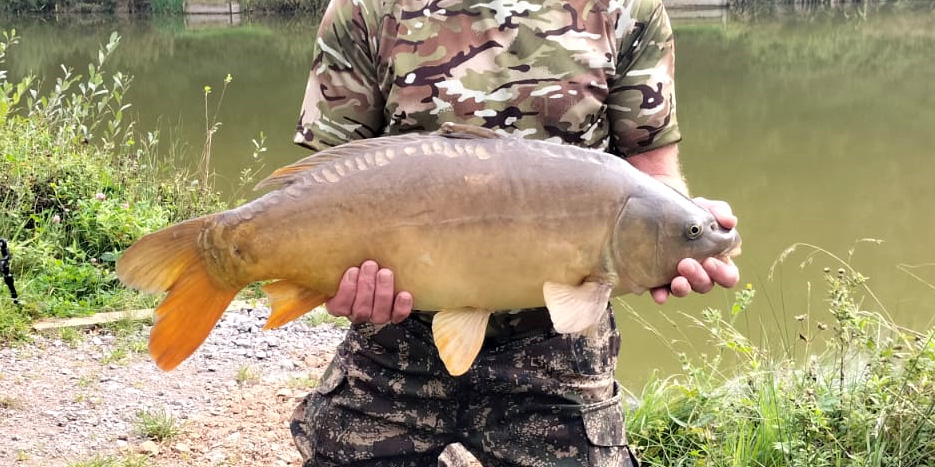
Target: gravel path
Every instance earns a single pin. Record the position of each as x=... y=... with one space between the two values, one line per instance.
x=63 y=403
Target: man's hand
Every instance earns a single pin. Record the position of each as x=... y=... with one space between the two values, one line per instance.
x=701 y=277
x=366 y=294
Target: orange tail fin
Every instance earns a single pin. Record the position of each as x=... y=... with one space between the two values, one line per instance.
x=169 y=260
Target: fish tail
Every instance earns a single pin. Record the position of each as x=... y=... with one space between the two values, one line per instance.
x=170 y=260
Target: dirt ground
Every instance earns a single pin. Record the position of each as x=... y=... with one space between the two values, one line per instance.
x=72 y=397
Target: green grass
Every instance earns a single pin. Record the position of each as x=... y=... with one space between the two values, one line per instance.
x=302 y=382
x=320 y=316
x=854 y=389
x=70 y=335
x=157 y=425
x=129 y=339
x=117 y=355
x=247 y=374
x=78 y=185
x=114 y=461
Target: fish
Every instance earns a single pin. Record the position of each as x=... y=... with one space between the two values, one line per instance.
x=472 y=222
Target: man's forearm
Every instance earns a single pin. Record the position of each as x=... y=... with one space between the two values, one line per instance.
x=663 y=164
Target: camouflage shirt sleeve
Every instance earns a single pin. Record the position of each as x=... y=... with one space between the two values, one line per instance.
x=641 y=101
x=343 y=99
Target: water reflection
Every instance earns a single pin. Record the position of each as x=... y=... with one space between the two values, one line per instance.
x=816 y=125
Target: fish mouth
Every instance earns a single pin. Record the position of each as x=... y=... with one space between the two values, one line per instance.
x=732 y=250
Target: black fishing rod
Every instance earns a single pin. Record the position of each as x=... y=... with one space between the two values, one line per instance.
x=5 y=269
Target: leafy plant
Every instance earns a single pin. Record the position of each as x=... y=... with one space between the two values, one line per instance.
x=158 y=425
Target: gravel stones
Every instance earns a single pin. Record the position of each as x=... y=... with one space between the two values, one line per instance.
x=61 y=403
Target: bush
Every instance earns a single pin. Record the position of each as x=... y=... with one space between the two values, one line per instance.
x=78 y=185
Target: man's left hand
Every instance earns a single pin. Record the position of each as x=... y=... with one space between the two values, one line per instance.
x=701 y=277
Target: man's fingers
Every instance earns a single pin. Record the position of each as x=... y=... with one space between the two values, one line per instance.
x=402 y=306
x=366 y=286
x=660 y=294
x=383 y=297
x=723 y=273
x=680 y=287
x=695 y=277
x=367 y=294
x=343 y=300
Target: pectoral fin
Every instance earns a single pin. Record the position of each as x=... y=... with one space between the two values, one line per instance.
x=459 y=334
x=289 y=301
x=576 y=308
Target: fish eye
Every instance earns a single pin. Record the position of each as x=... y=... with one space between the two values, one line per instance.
x=694 y=231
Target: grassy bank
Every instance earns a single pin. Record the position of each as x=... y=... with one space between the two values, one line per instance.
x=854 y=389
x=78 y=184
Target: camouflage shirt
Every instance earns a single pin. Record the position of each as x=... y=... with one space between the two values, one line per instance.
x=594 y=73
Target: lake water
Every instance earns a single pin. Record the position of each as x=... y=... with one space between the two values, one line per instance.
x=816 y=125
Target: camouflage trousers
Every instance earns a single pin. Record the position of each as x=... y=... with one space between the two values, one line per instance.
x=532 y=398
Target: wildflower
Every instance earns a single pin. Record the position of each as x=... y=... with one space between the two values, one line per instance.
x=125 y=205
x=100 y=196
x=56 y=219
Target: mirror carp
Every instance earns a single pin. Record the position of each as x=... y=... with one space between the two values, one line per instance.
x=470 y=222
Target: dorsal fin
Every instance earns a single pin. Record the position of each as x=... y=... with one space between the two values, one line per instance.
x=284 y=176
x=293 y=172
x=465 y=131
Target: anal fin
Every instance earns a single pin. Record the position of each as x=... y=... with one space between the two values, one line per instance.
x=289 y=301
x=576 y=309
x=459 y=335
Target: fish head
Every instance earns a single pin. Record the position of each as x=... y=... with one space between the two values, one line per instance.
x=656 y=229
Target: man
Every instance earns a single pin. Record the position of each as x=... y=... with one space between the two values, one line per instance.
x=594 y=73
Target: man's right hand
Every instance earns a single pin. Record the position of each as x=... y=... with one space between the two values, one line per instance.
x=367 y=294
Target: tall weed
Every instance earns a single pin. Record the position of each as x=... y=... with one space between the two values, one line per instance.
x=854 y=389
